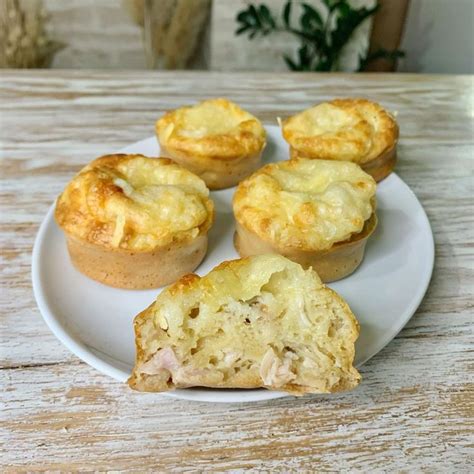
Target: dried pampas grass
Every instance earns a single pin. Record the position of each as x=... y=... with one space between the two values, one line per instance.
x=183 y=34
x=136 y=10
x=24 y=42
x=173 y=30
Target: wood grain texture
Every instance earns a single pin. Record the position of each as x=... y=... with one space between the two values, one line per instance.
x=414 y=408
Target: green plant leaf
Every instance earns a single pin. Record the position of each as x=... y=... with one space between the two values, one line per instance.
x=255 y=20
x=331 y=5
x=241 y=30
x=265 y=16
x=254 y=14
x=305 y=58
x=343 y=9
x=380 y=53
x=323 y=66
x=290 y=63
x=319 y=46
x=253 y=34
x=242 y=17
x=310 y=20
x=287 y=14
x=347 y=21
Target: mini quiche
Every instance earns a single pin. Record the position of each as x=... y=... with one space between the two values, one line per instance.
x=215 y=139
x=356 y=130
x=318 y=213
x=135 y=222
x=257 y=322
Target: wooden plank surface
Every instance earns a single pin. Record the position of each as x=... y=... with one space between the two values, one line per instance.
x=414 y=408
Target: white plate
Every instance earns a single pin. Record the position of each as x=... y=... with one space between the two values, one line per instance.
x=95 y=321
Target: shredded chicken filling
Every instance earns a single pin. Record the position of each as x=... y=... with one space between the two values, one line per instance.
x=224 y=352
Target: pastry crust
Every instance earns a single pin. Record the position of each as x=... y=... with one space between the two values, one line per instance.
x=339 y=261
x=135 y=222
x=256 y=322
x=129 y=269
x=356 y=130
x=318 y=213
x=215 y=139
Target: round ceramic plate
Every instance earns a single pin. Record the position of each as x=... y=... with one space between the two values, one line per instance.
x=95 y=321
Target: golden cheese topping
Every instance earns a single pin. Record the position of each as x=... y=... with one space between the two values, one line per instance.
x=344 y=129
x=215 y=127
x=305 y=204
x=134 y=202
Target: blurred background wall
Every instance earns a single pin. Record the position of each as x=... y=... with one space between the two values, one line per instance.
x=439 y=37
x=96 y=34
x=437 y=34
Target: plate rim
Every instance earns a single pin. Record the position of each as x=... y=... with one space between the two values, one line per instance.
x=88 y=355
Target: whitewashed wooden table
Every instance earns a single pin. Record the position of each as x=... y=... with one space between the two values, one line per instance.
x=414 y=408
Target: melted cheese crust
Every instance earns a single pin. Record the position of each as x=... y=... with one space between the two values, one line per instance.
x=136 y=203
x=305 y=204
x=214 y=128
x=344 y=129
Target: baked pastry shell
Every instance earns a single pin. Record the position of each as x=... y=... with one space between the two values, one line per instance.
x=131 y=269
x=216 y=172
x=379 y=167
x=333 y=264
